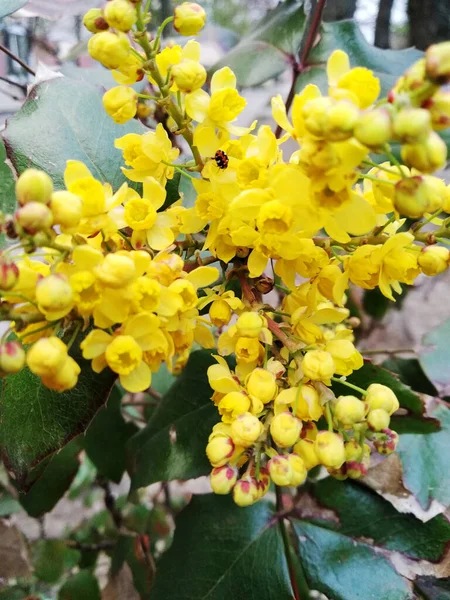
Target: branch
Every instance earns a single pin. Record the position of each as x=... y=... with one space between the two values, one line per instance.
x=308 y=39
x=110 y=504
x=15 y=83
x=17 y=59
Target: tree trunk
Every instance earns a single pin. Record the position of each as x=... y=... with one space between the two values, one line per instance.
x=429 y=22
x=383 y=24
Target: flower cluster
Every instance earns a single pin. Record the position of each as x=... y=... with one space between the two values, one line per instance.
x=126 y=273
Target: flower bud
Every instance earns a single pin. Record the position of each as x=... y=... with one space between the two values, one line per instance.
x=9 y=273
x=246 y=492
x=308 y=404
x=315 y=114
x=120 y=103
x=264 y=284
x=411 y=197
x=94 y=20
x=345 y=356
x=143 y=110
x=434 y=260
x=262 y=384
x=263 y=483
x=318 y=365
x=34 y=217
x=189 y=18
x=438 y=107
x=428 y=156
x=358 y=468
x=386 y=442
x=341 y=120
x=378 y=419
x=380 y=396
x=437 y=63
x=349 y=410
x=189 y=75
x=116 y=270
x=249 y=324
x=65 y=378
x=12 y=357
x=280 y=470
x=309 y=431
x=220 y=312
x=120 y=14
x=66 y=208
x=411 y=125
x=219 y=450
x=298 y=468
x=340 y=473
x=306 y=450
x=246 y=429
x=47 y=356
x=54 y=296
x=232 y=405
x=329 y=447
x=353 y=450
x=374 y=128
x=33 y=186
x=223 y=479
x=110 y=49
x=285 y=429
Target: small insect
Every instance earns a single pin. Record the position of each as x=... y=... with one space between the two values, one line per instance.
x=221 y=159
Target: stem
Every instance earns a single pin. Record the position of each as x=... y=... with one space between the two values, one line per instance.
x=377 y=179
x=391 y=352
x=427 y=220
x=14 y=83
x=17 y=59
x=110 y=504
x=393 y=160
x=279 y=333
x=147 y=6
x=308 y=39
x=18 y=295
x=74 y=335
x=329 y=416
x=125 y=238
x=147 y=97
x=286 y=544
x=159 y=33
x=371 y=163
x=349 y=385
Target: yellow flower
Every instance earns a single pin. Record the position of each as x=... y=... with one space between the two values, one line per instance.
x=318 y=365
x=120 y=103
x=48 y=359
x=220 y=377
x=358 y=84
x=189 y=18
x=145 y=153
x=150 y=227
x=130 y=71
x=120 y=15
x=222 y=107
x=54 y=297
x=110 y=49
x=232 y=405
x=346 y=358
x=123 y=352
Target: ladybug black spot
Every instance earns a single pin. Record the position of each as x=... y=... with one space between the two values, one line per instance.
x=221 y=159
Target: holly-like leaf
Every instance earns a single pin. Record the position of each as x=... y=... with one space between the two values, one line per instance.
x=410 y=372
x=52 y=483
x=36 y=421
x=51 y=558
x=172 y=445
x=346 y=569
x=63 y=119
x=425 y=461
x=375 y=304
x=436 y=359
x=387 y=65
x=362 y=513
x=8 y=7
x=269 y=49
x=7 y=191
x=82 y=585
x=106 y=438
x=223 y=551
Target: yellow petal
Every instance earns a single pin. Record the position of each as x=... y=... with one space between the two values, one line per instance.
x=75 y=170
x=223 y=78
x=203 y=276
x=357 y=217
x=160 y=238
x=257 y=262
x=204 y=336
x=142 y=327
x=196 y=105
x=337 y=65
x=138 y=380
x=206 y=140
x=191 y=50
x=95 y=343
x=154 y=192
x=86 y=258
x=279 y=113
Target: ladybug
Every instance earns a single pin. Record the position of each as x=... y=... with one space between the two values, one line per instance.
x=221 y=159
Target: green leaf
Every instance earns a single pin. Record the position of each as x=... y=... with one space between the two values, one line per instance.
x=410 y=372
x=54 y=481
x=347 y=569
x=51 y=558
x=35 y=421
x=82 y=585
x=7 y=7
x=376 y=305
x=425 y=461
x=172 y=193
x=268 y=51
x=172 y=445
x=435 y=361
x=106 y=438
x=364 y=514
x=63 y=119
x=387 y=65
x=129 y=549
x=431 y=588
x=8 y=504
x=223 y=551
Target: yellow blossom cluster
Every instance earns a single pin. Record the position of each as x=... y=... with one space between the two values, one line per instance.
x=128 y=272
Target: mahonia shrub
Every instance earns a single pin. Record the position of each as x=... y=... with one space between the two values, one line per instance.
x=258 y=268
